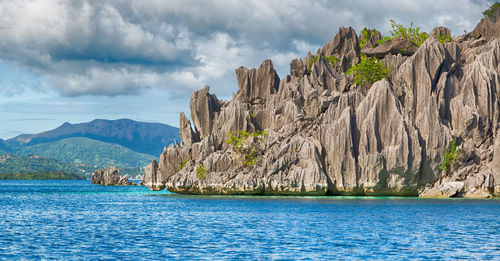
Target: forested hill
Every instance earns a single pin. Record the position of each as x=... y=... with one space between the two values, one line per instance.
x=141 y=137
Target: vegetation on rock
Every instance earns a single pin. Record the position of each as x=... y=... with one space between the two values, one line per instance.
x=368 y=71
x=313 y=60
x=331 y=59
x=445 y=38
x=200 y=171
x=365 y=36
x=245 y=145
x=491 y=11
x=182 y=164
x=451 y=157
x=383 y=40
x=412 y=34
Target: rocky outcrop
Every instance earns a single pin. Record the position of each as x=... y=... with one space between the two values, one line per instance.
x=488 y=28
x=345 y=46
x=445 y=190
x=188 y=136
x=204 y=109
x=393 y=46
x=257 y=85
x=110 y=176
x=374 y=38
x=326 y=136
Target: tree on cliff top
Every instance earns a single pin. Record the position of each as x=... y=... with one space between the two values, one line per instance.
x=491 y=11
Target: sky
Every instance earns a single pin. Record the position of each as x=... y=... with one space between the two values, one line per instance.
x=75 y=61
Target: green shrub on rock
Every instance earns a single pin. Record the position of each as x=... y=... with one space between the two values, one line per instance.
x=313 y=60
x=246 y=145
x=200 y=171
x=366 y=34
x=491 y=11
x=451 y=157
x=182 y=164
x=383 y=40
x=368 y=71
x=331 y=59
x=445 y=38
x=411 y=33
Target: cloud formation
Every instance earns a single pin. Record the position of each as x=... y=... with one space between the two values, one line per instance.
x=109 y=48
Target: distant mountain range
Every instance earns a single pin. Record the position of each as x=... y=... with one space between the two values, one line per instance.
x=82 y=147
x=142 y=137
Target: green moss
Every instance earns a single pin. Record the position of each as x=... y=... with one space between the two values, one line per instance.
x=491 y=11
x=451 y=157
x=368 y=71
x=200 y=171
x=245 y=145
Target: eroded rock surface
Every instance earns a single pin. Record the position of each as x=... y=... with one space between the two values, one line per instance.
x=325 y=135
x=393 y=46
x=110 y=176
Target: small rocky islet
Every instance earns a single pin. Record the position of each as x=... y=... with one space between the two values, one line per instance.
x=110 y=176
x=429 y=129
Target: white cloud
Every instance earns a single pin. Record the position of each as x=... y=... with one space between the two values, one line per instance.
x=80 y=60
x=120 y=47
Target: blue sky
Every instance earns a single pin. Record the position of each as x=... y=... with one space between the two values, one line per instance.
x=74 y=61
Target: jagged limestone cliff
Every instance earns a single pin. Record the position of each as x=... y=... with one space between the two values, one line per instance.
x=328 y=136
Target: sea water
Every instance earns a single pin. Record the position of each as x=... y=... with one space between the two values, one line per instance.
x=68 y=220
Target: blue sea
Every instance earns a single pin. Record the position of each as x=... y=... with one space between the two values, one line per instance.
x=75 y=220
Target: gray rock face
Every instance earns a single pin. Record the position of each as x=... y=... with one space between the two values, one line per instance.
x=204 y=109
x=327 y=136
x=110 y=176
x=393 y=46
x=256 y=85
x=186 y=133
x=345 y=46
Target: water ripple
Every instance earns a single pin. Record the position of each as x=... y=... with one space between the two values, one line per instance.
x=79 y=221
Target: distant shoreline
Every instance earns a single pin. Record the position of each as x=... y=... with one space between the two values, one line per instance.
x=40 y=176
